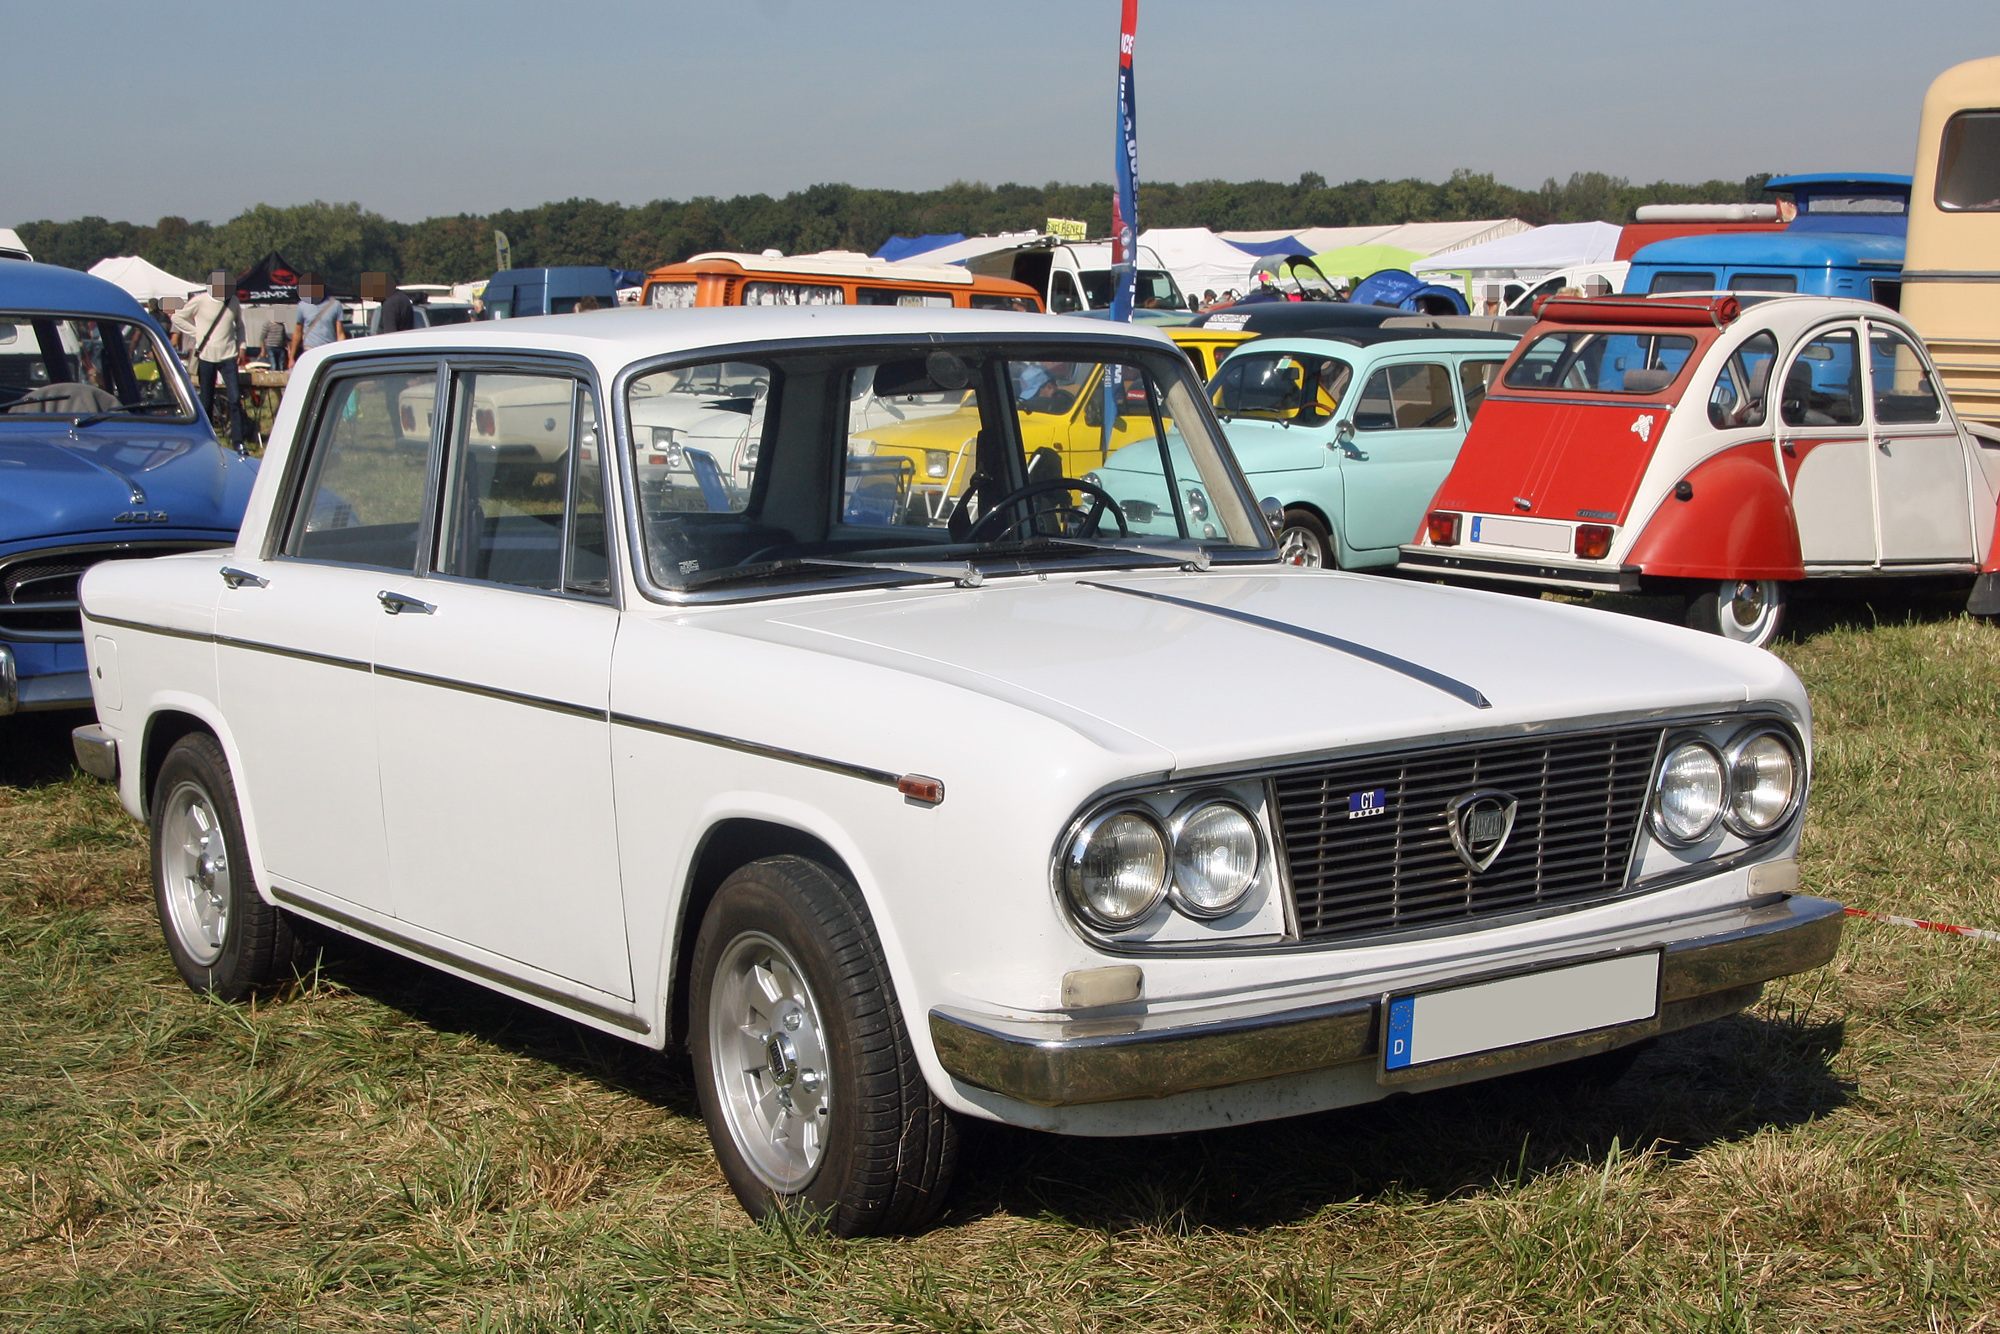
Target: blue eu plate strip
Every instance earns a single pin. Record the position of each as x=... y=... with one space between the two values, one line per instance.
x=1396 y=1046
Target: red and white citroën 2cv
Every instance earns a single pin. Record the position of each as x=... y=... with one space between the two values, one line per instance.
x=1719 y=449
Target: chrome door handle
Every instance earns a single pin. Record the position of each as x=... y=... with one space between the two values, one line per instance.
x=398 y=603
x=236 y=578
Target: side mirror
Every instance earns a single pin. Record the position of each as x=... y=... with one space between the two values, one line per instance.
x=1274 y=513
x=1344 y=432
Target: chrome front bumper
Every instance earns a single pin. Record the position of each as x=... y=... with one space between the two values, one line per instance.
x=1713 y=966
x=53 y=690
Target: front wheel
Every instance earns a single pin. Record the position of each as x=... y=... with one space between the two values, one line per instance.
x=806 y=1074
x=1749 y=611
x=224 y=938
x=1303 y=540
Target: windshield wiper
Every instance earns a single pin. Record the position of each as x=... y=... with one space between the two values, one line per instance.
x=92 y=418
x=1195 y=560
x=964 y=575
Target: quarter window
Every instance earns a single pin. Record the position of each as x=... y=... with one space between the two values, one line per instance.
x=1822 y=386
x=364 y=498
x=1407 y=398
x=1474 y=379
x=514 y=461
x=1968 y=176
x=1738 y=396
x=1763 y=282
x=1686 y=281
x=1903 y=391
x=890 y=296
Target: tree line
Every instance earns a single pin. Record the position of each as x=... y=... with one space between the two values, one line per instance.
x=342 y=241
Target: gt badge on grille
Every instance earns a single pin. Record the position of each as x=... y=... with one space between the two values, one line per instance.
x=1361 y=805
x=1480 y=823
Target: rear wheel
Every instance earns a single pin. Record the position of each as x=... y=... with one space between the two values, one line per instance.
x=1305 y=541
x=807 y=1077
x=224 y=938
x=1749 y=611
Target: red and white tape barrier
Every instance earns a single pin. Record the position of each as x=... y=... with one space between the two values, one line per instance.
x=1975 y=932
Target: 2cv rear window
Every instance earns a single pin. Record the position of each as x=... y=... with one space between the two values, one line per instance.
x=1601 y=362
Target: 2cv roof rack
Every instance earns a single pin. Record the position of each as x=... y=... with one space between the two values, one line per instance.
x=1719 y=311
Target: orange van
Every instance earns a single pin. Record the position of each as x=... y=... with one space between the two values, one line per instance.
x=829 y=278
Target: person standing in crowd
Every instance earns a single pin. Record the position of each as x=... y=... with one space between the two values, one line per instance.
x=586 y=303
x=319 y=317
x=276 y=336
x=396 y=311
x=212 y=324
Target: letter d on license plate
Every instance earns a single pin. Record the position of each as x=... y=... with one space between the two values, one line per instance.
x=1432 y=1026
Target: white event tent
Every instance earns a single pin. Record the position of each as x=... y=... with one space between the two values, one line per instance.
x=1560 y=245
x=146 y=282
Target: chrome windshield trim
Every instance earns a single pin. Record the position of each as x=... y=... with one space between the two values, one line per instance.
x=1403 y=666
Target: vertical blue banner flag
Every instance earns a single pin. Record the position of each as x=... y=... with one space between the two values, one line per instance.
x=1125 y=203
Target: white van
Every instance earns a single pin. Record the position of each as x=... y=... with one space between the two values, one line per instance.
x=11 y=246
x=1076 y=275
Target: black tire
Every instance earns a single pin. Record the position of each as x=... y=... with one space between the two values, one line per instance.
x=1303 y=532
x=885 y=1147
x=1755 y=618
x=225 y=940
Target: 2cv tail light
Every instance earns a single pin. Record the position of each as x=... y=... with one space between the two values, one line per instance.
x=1593 y=541
x=1442 y=526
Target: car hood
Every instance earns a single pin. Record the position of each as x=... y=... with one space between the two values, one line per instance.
x=53 y=482
x=1221 y=667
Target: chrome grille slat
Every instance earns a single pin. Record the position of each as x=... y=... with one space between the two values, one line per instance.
x=1581 y=798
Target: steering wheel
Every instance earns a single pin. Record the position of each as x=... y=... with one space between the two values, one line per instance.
x=992 y=519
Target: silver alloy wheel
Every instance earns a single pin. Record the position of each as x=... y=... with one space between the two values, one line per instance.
x=769 y=1061
x=1298 y=546
x=194 y=869
x=1747 y=610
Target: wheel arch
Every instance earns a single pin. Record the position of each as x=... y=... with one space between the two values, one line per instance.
x=1737 y=522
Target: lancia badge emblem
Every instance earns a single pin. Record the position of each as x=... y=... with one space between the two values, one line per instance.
x=1480 y=823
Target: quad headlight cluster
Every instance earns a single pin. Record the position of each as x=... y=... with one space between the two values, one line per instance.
x=1750 y=787
x=1122 y=861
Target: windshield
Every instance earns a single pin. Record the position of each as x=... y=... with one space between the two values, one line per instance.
x=912 y=459
x=1156 y=290
x=73 y=365
x=1601 y=363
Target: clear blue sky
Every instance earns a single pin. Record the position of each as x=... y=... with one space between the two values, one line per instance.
x=419 y=107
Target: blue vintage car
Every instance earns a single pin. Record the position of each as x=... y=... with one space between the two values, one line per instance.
x=1847 y=240
x=102 y=457
x=1351 y=431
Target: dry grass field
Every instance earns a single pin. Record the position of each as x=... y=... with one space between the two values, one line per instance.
x=386 y=1148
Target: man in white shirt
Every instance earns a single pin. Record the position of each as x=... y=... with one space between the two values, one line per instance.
x=212 y=327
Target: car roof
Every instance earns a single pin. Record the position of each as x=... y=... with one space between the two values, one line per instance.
x=629 y=333
x=1870 y=181
x=1778 y=249
x=30 y=286
x=1474 y=340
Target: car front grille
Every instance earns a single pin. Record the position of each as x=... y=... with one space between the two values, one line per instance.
x=1581 y=800
x=38 y=599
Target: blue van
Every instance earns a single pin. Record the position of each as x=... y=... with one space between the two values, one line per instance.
x=1847 y=240
x=103 y=456
x=514 y=293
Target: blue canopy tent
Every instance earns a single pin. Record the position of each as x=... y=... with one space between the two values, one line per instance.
x=1406 y=291
x=902 y=247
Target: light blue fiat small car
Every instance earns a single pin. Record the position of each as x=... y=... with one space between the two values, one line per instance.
x=1350 y=431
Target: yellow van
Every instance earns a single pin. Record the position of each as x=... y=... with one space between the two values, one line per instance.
x=1951 y=265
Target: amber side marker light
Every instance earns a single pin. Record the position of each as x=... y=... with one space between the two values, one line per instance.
x=919 y=788
x=1593 y=541
x=1443 y=528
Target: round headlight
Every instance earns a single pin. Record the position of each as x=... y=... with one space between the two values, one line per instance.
x=1216 y=856
x=1763 y=780
x=1116 y=870
x=1687 y=798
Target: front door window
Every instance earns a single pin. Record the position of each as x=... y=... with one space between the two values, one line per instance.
x=1920 y=473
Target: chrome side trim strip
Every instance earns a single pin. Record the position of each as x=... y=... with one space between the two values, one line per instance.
x=493 y=692
x=303 y=655
x=629 y=1023
x=1436 y=680
x=199 y=636
x=1063 y=1062
x=861 y=771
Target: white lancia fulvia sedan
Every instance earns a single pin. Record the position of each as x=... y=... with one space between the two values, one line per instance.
x=1046 y=804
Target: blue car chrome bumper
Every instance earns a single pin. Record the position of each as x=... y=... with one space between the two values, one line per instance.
x=34 y=677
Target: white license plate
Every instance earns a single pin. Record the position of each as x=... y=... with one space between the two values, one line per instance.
x=1434 y=1026
x=1521 y=533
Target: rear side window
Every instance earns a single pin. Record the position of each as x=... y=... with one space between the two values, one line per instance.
x=1683 y=281
x=1474 y=379
x=1741 y=385
x=364 y=495
x=793 y=294
x=890 y=296
x=1823 y=385
x=1407 y=398
x=1763 y=282
x=1968 y=176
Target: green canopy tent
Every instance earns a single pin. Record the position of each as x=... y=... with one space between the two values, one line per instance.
x=1355 y=262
